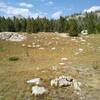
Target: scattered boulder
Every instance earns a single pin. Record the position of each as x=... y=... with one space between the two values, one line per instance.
x=76 y=53
x=61 y=81
x=62 y=64
x=66 y=81
x=49 y=43
x=37 y=46
x=54 y=82
x=54 y=68
x=33 y=43
x=84 y=32
x=33 y=46
x=64 y=59
x=35 y=81
x=36 y=90
x=23 y=45
x=73 y=39
x=29 y=46
x=53 y=48
x=76 y=85
x=80 y=49
x=82 y=40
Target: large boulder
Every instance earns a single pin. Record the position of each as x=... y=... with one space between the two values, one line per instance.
x=66 y=81
x=62 y=81
x=76 y=85
x=36 y=90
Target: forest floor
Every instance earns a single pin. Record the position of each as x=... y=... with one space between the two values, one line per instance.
x=83 y=54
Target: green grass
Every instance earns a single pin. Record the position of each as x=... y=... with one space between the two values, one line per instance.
x=13 y=75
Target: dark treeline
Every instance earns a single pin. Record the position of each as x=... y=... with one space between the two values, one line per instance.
x=73 y=24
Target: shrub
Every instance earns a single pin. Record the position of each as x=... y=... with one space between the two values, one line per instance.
x=98 y=28
x=73 y=34
x=13 y=58
x=96 y=65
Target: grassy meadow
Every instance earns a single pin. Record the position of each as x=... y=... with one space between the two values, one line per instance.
x=83 y=63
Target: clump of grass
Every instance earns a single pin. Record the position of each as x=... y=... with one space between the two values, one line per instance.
x=96 y=65
x=2 y=49
x=13 y=58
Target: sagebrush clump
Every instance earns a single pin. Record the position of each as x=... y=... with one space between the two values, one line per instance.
x=13 y=58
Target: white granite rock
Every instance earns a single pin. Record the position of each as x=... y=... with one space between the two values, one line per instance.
x=62 y=81
x=54 y=82
x=53 y=48
x=76 y=85
x=36 y=90
x=11 y=36
x=35 y=81
x=64 y=59
x=84 y=32
x=62 y=64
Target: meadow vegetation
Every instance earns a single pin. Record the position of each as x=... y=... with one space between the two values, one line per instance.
x=83 y=63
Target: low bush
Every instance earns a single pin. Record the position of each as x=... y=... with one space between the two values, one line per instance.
x=13 y=58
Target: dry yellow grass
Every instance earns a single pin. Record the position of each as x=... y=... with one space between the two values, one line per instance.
x=14 y=74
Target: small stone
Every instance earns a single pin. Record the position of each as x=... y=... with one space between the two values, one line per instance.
x=33 y=43
x=54 y=68
x=64 y=59
x=76 y=53
x=29 y=46
x=23 y=45
x=82 y=40
x=62 y=64
x=53 y=48
x=80 y=49
x=37 y=46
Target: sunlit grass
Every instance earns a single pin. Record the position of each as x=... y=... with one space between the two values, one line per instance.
x=13 y=75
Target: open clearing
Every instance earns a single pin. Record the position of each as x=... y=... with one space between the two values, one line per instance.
x=83 y=63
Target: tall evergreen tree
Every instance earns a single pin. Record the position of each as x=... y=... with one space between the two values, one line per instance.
x=90 y=22
x=73 y=30
x=17 y=24
x=29 y=27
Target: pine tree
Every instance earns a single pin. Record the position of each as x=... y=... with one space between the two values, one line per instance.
x=73 y=30
x=17 y=24
x=29 y=27
x=23 y=24
x=90 y=22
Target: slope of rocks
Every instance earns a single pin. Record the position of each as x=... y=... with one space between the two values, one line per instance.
x=11 y=36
